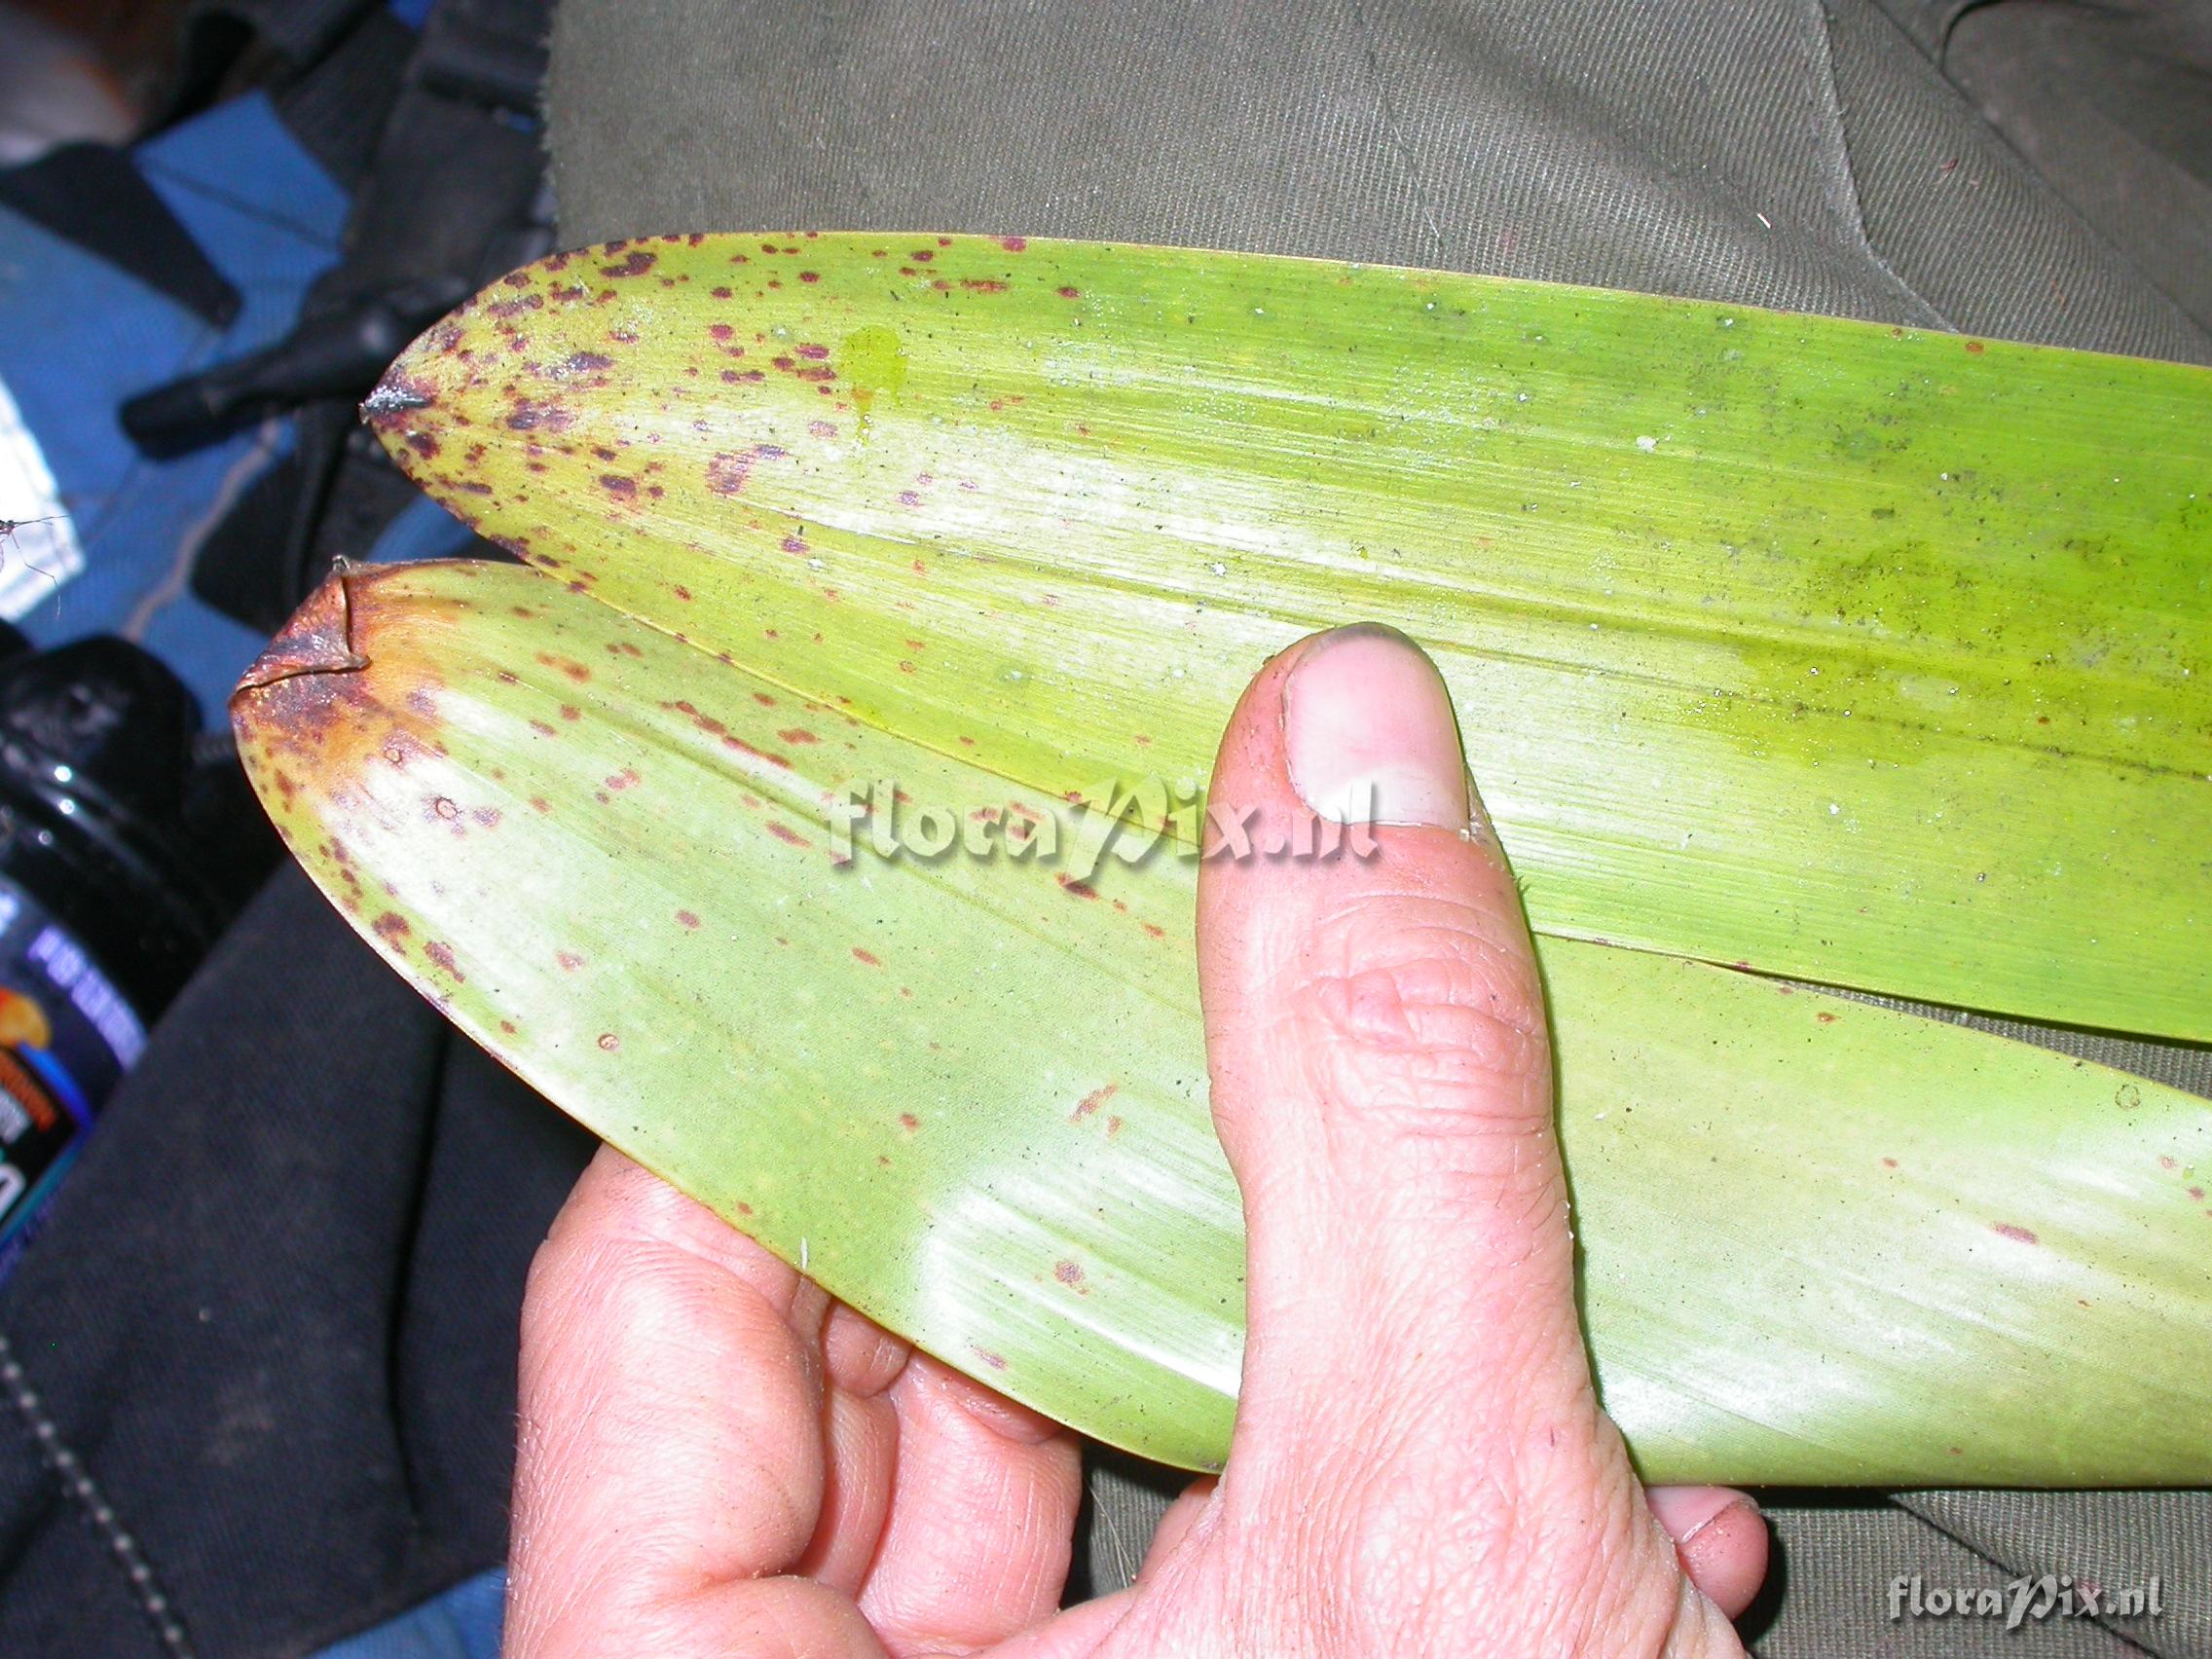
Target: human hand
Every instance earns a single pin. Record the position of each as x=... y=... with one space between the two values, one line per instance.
x=717 y=1460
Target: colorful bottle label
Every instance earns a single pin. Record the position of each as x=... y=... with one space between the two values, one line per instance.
x=67 y=1035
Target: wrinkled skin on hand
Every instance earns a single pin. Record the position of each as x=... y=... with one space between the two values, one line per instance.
x=718 y=1460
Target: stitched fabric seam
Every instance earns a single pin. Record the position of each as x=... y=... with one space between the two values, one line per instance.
x=1390 y=125
x=2123 y=1639
x=1833 y=111
x=77 y=1481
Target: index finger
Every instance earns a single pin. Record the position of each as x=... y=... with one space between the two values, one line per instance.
x=672 y=1430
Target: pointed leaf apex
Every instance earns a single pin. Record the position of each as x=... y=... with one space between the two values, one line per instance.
x=317 y=639
x=395 y=394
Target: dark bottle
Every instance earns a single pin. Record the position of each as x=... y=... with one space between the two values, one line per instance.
x=112 y=887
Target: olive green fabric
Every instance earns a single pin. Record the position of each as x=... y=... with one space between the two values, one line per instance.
x=1817 y=157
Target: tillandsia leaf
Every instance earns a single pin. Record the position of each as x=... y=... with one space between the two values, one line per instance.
x=1845 y=652
x=1822 y=1241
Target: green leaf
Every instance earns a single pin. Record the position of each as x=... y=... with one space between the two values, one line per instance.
x=1844 y=652
x=1823 y=1241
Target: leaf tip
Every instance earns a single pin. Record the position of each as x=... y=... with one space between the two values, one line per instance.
x=317 y=639
x=395 y=395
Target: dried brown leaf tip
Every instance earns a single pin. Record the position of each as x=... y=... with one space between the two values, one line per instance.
x=310 y=678
x=317 y=639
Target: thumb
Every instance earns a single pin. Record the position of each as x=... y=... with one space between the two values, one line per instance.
x=1382 y=1079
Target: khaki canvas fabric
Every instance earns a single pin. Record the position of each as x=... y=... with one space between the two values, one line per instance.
x=2019 y=168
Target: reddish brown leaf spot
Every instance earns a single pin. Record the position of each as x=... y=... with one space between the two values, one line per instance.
x=908 y=1121
x=637 y=264
x=821 y=430
x=1014 y=245
x=1090 y=1102
x=539 y=803
x=1079 y=889
x=726 y=473
x=1975 y=346
x=687 y=919
x=530 y=417
x=2005 y=1229
x=796 y=544
x=608 y=1042
x=1155 y=930
x=391 y=927
x=867 y=956
x=1067 y=1273
x=995 y=1362
x=1069 y=293
x=441 y=953
x=982 y=285
x=588 y=362
x=785 y=833
x=1889 y=1163
x=1827 y=1019
x=799 y=734
x=568 y=960
x=615 y=483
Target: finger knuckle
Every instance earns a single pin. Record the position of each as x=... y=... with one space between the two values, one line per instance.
x=1432 y=1006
